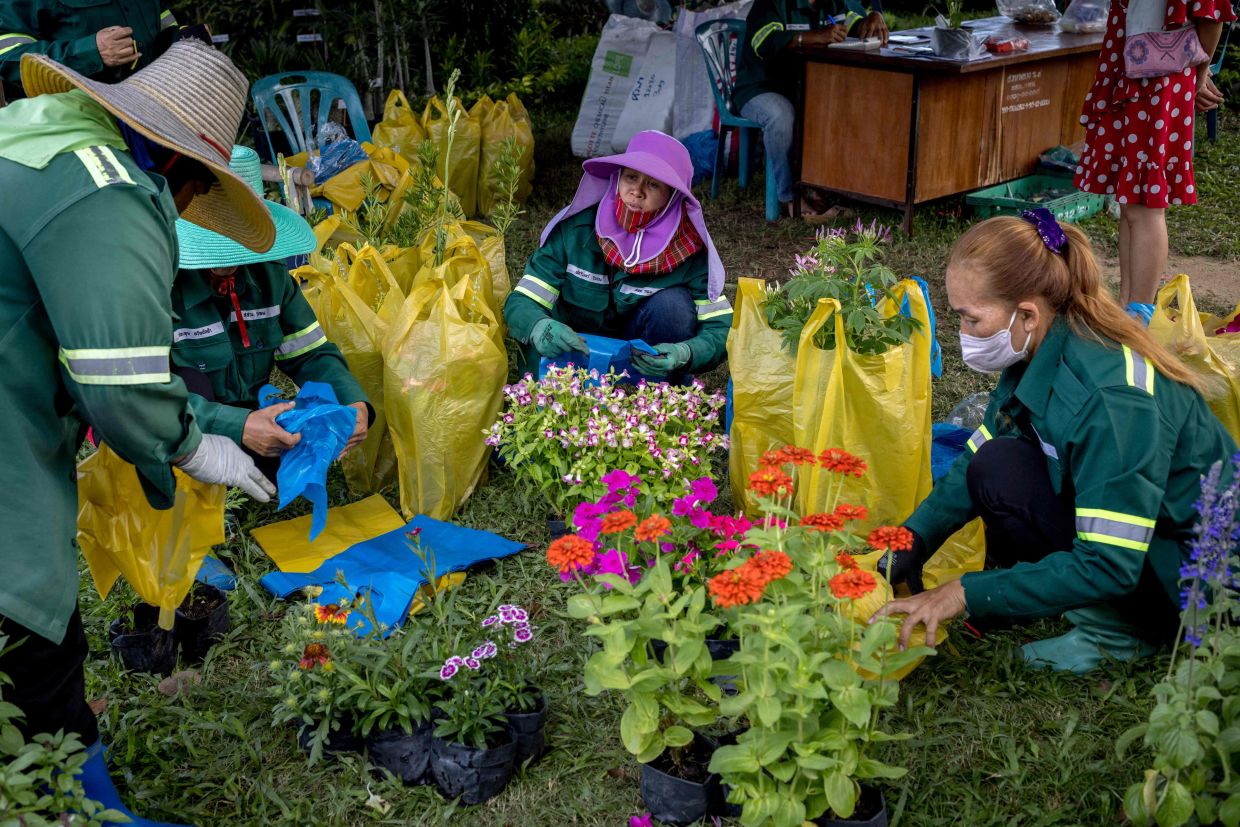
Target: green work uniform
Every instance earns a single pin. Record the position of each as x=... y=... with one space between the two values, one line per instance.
x=568 y=279
x=282 y=330
x=1124 y=443
x=766 y=65
x=88 y=254
x=65 y=30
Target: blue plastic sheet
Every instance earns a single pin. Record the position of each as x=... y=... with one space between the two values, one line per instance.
x=388 y=568
x=212 y=572
x=325 y=426
x=948 y=444
x=605 y=354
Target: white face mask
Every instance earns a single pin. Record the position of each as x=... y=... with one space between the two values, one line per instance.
x=992 y=353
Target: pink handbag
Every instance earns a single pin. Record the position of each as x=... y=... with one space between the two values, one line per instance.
x=1159 y=54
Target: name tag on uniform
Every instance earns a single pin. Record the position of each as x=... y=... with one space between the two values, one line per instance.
x=260 y=313
x=639 y=291
x=586 y=275
x=797 y=27
x=193 y=334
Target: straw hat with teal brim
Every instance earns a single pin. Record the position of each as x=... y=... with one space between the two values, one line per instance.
x=201 y=248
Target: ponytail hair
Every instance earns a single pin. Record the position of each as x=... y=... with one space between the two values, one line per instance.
x=1009 y=255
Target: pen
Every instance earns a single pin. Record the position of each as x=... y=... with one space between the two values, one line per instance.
x=831 y=20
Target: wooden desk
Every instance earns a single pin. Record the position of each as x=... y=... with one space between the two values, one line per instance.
x=897 y=130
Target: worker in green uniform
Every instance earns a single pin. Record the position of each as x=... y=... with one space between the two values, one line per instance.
x=239 y=315
x=92 y=178
x=102 y=39
x=776 y=33
x=629 y=258
x=1087 y=466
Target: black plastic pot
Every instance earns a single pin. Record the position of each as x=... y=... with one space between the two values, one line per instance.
x=529 y=731
x=719 y=649
x=475 y=775
x=202 y=621
x=408 y=757
x=675 y=800
x=721 y=807
x=338 y=741
x=871 y=811
x=557 y=527
x=140 y=645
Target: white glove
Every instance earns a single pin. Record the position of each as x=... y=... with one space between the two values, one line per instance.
x=219 y=460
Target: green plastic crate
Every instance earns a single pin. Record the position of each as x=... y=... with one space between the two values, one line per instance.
x=1013 y=197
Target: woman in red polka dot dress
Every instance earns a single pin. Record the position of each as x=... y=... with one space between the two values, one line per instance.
x=1139 y=140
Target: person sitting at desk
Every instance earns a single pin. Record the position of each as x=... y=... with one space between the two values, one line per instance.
x=775 y=31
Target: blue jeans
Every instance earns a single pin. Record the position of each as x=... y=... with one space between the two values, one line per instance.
x=777 y=117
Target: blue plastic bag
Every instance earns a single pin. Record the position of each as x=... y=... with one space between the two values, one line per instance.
x=215 y=573
x=948 y=444
x=605 y=354
x=388 y=568
x=325 y=427
x=335 y=158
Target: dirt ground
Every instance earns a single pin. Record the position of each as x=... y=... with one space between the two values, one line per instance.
x=1216 y=281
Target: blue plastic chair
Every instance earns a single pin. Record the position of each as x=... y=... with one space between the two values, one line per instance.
x=1215 y=68
x=720 y=40
x=293 y=99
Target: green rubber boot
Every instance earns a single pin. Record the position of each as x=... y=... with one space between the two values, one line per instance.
x=1100 y=632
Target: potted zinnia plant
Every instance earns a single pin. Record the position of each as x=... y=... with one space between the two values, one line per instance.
x=308 y=682
x=804 y=656
x=562 y=433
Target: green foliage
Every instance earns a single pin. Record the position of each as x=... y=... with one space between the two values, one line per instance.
x=665 y=697
x=507 y=173
x=848 y=269
x=39 y=784
x=387 y=687
x=562 y=434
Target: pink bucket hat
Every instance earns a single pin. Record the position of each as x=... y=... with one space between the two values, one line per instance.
x=663 y=158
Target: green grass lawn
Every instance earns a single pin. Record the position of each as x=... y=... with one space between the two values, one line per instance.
x=992 y=743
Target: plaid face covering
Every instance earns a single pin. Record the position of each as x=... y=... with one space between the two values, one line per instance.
x=684 y=243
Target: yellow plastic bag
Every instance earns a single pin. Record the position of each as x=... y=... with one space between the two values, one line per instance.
x=762 y=374
x=355 y=301
x=497 y=124
x=876 y=407
x=158 y=552
x=864 y=608
x=346 y=190
x=491 y=245
x=286 y=544
x=462 y=163
x=444 y=372
x=400 y=130
x=1178 y=326
x=463 y=258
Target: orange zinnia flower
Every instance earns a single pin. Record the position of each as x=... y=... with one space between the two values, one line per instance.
x=848 y=512
x=331 y=613
x=853 y=584
x=891 y=538
x=771 y=565
x=315 y=654
x=846 y=561
x=652 y=528
x=822 y=522
x=570 y=552
x=799 y=456
x=618 y=521
x=774 y=458
x=736 y=586
x=842 y=462
x=770 y=482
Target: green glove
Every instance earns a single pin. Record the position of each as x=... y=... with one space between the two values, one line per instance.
x=552 y=339
x=668 y=358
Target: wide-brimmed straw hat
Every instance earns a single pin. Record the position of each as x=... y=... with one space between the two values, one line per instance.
x=190 y=100
x=201 y=248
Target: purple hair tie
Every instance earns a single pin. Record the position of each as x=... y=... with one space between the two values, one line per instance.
x=1048 y=228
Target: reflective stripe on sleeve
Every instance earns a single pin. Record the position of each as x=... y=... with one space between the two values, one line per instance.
x=167 y=20
x=117 y=366
x=980 y=437
x=11 y=40
x=104 y=167
x=713 y=309
x=1113 y=528
x=763 y=33
x=303 y=341
x=1139 y=371
x=538 y=290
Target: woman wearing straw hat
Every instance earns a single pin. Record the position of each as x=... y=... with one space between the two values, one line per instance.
x=241 y=314
x=629 y=257
x=92 y=177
